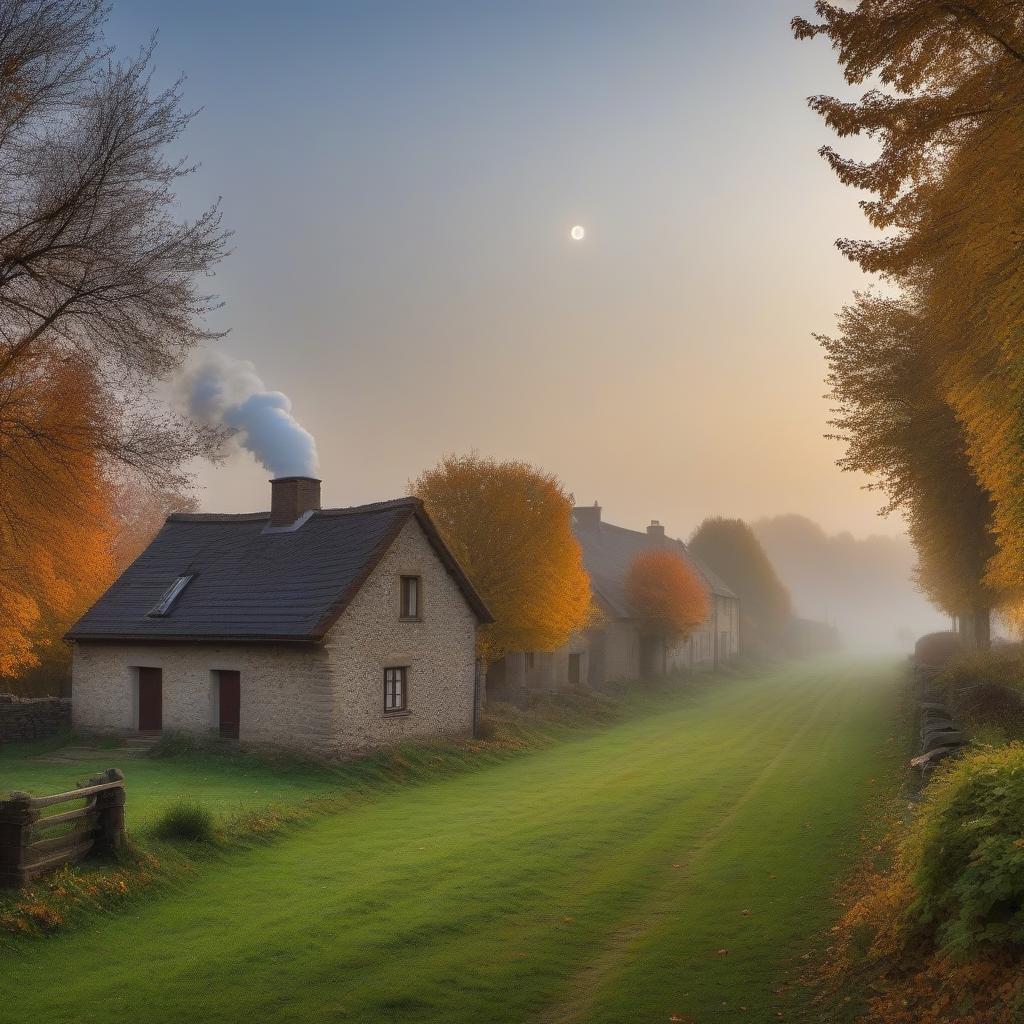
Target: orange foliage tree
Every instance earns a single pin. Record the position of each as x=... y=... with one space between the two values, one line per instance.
x=510 y=525
x=666 y=594
x=56 y=521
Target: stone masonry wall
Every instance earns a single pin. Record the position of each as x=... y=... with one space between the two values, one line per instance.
x=287 y=693
x=32 y=718
x=439 y=651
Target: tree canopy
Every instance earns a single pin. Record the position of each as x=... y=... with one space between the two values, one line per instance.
x=668 y=597
x=56 y=554
x=898 y=428
x=730 y=548
x=510 y=526
x=948 y=115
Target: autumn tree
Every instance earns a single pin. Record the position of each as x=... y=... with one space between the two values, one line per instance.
x=510 y=526
x=94 y=264
x=667 y=596
x=947 y=112
x=99 y=302
x=730 y=549
x=892 y=416
x=55 y=564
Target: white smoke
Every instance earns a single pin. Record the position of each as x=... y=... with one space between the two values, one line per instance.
x=221 y=391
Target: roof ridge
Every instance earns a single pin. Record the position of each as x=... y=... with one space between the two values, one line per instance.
x=250 y=517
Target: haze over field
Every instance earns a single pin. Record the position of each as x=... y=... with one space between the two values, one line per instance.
x=860 y=585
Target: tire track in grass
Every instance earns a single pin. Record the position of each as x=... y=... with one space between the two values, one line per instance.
x=581 y=992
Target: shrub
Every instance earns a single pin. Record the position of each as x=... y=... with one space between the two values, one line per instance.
x=186 y=820
x=966 y=853
x=936 y=649
x=987 y=688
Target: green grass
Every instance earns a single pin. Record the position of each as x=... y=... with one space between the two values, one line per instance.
x=228 y=786
x=596 y=880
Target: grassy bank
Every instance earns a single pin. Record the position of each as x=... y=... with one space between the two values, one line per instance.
x=674 y=864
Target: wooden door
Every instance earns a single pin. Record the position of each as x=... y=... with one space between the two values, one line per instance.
x=151 y=699
x=230 y=703
x=575 y=676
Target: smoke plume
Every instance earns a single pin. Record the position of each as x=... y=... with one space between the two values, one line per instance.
x=224 y=392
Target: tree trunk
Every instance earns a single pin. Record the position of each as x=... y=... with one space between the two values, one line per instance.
x=976 y=628
x=982 y=628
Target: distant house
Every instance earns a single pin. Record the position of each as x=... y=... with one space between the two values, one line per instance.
x=617 y=648
x=326 y=631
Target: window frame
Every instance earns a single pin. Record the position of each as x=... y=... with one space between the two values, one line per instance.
x=165 y=605
x=403 y=581
x=403 y=678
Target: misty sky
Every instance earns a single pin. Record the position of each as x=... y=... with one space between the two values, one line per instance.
x=401 y=179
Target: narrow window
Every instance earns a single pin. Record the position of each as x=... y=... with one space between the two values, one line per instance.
x=171 y=594
x=394 y=689
x=410 y=597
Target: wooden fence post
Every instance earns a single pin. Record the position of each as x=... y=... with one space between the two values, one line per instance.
x=17 y=816
x=110 y=805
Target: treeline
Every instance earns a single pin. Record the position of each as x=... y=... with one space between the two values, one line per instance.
x=927 y=378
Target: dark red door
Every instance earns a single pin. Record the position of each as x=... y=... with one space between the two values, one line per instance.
x=230 y=704
x=575 y=675
x=151 y=699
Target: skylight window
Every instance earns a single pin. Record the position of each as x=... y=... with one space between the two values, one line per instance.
x=166 y=603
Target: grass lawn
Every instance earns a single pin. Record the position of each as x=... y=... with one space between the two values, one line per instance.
x=675 y=865
x=229 y=786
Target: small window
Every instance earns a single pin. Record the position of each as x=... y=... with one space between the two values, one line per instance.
x=395 y=690
x=166 y=603
x=410 y=597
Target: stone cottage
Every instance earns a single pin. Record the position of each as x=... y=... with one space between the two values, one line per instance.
x=325 y=631
x=617 y=648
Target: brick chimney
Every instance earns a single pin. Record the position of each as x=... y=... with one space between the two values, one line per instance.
x=588 y=517
x=291 y=496
x=656 y=532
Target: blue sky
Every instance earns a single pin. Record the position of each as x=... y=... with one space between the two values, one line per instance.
x=401 y=179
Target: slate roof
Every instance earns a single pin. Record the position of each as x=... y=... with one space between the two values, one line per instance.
x=254 y=584
x=608 y=552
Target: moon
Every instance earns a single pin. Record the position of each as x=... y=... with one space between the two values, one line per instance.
x=577 y=233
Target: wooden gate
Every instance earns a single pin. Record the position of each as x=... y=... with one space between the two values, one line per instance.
x=28 y=846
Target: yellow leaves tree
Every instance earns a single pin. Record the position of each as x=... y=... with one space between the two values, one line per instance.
x=666 y=594
x=946 y=107
x=510 y=526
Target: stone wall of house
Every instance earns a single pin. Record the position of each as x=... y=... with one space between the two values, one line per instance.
x=438 y=651
x=32 y=718
x=621 y=652
x=287 y=693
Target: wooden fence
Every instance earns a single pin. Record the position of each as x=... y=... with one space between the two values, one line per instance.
x=26 y=851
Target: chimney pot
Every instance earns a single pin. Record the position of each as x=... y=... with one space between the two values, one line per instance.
x=291 y=497
x=656 y=531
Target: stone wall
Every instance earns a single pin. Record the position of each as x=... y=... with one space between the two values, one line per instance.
x=287 y=693
x=32 y=718
x=438 y=649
